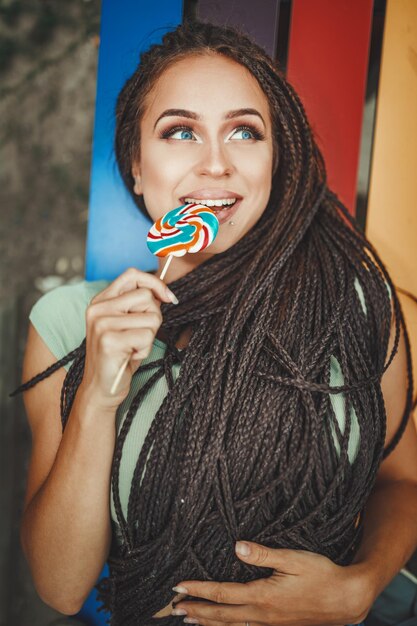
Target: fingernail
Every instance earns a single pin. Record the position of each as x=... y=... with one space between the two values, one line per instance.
x=172 y=296
x=180 y=589
x=242 y=548
x=191 y=620
x=178 y=612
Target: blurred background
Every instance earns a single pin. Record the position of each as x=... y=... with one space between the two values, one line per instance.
x=354 y=64
x=48 y=70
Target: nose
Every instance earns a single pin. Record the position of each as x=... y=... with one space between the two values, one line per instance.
x=215 y=160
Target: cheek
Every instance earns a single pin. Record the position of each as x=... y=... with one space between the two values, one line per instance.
x=257 y=167
x=161 y=167
x=261 y=183
x=156 y=173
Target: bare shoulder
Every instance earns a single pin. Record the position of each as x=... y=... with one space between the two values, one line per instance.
x=42 y=404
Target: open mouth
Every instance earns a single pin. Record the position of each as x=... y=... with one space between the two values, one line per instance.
x=215 y=205
x=224 y=211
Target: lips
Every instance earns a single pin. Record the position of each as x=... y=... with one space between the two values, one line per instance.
x=211 y=194
x=226 y=213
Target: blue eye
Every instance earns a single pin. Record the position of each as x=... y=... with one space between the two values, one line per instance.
x=187 y=134
x=248 y=133
x=183 y=130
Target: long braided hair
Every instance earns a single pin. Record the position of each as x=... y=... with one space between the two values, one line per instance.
x=242 y=446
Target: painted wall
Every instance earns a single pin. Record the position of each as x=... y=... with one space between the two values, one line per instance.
x=116 y=229
x=392 y=210
x=327 y=64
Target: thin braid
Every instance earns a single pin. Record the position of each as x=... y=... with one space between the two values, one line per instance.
x=45 y=374
x=246 y=443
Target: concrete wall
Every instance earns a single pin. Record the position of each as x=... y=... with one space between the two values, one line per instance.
x=48 y=59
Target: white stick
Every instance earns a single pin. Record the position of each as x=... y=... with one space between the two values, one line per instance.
x=125 y=363
x=166 y=266
x=119 y=376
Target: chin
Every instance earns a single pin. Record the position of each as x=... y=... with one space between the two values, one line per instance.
x=219 y=247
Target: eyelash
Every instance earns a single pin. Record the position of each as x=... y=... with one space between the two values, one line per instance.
x=166 y=134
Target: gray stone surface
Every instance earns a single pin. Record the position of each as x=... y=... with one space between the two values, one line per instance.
x=48 y=63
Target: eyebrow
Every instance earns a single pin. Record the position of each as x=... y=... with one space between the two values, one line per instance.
x=193 y=116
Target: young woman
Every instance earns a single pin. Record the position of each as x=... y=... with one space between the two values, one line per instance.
x=268 y=400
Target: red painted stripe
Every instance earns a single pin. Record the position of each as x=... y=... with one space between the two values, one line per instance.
x=327 y=65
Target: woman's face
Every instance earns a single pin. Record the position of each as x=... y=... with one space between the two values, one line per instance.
x=206 y=135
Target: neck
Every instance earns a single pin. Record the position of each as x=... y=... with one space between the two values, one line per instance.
x=180 y=266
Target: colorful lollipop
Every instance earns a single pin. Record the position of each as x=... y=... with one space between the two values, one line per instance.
x=188 y=228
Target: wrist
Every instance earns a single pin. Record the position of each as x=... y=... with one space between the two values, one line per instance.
x=361 y=588
x=89 y=404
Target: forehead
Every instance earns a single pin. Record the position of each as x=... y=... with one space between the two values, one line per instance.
x=208 y=84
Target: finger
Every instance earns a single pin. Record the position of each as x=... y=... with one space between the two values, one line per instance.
x=282 y=559
x=137 y=340
x=131 y=279
x=125 y=322
x=136 y=300
x=143 y=328
x=222 y=613
x=222 y=593
x=210 y=622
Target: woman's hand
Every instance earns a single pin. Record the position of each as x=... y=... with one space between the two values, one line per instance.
x=121 y=321
x=305 y=589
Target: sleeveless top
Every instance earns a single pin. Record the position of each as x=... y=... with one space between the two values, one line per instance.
x=59 y=318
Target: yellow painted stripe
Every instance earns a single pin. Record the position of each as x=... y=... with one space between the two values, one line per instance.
x=392 y=209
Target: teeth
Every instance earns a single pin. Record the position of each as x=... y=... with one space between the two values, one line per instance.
x=211 y=203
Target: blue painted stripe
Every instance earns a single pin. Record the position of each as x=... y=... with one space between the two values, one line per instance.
x=117 y=231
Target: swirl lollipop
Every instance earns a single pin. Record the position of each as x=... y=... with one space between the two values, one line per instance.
x=188 y=228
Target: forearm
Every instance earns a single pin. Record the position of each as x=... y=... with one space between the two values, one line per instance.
x=66 y=530
x=390 y=533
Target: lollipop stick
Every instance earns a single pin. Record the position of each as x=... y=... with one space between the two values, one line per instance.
x=118 y=377
x=166 y=266
x=124 y=364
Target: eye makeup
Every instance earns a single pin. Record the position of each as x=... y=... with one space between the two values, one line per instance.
x=167 y=133
x=257 y=134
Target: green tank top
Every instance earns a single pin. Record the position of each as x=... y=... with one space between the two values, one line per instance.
x=59 y=318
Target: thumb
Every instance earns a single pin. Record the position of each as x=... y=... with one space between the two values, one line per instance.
x=256 y=554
